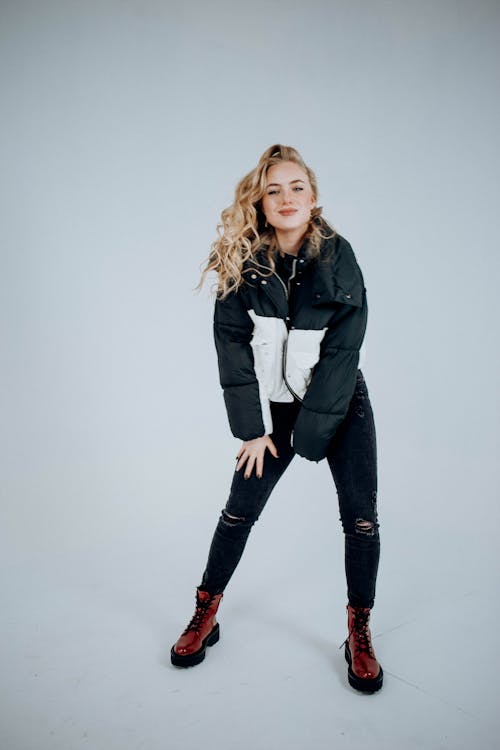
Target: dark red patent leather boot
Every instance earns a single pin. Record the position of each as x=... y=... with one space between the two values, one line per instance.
x=202 y=631
x=364 y=671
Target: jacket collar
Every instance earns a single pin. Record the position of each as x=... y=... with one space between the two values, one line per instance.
x=336 y=275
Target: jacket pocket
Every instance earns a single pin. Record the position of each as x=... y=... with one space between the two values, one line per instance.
x=303 y=351
x=267 y=343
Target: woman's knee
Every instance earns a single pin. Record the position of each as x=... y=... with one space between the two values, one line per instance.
x=359 y=514
x=365 y=525
x=230 y=520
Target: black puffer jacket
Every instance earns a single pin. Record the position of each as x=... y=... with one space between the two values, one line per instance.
x=277 y=340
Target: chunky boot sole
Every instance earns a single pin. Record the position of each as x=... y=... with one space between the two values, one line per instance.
x=189 y=660
x=358 y=683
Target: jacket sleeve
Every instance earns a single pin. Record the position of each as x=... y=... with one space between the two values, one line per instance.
x=333 y=380
x=249 y=416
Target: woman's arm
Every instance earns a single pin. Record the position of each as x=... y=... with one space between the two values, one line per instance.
x=233 y=328
x=333 y=381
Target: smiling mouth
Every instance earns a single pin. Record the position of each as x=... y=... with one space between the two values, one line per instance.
x=288 y=212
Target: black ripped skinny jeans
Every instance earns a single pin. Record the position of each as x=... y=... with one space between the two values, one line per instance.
x=352 y=458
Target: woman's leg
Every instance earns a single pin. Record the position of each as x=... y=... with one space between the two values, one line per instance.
x=247 y=499
x=352 y=457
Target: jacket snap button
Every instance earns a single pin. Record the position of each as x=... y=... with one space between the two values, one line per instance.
x=287 y=317
x=298 y=283
x=263 y=281
x=347 y=296
x=317 y=295
x=301 y=260
x=253 y=275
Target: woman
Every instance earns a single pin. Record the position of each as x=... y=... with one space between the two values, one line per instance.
x=289 y=322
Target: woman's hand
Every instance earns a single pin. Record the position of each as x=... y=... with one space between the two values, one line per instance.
x=252 y=451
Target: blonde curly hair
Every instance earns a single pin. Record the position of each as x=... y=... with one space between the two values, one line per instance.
x=242 y=230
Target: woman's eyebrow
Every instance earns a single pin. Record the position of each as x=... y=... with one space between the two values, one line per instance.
x=279 y=183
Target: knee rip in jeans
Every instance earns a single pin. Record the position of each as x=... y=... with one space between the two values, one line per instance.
x=364 y=527
x=232 y=520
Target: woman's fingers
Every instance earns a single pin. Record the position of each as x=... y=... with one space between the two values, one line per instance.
x=252 y=453
x=250 y=463
x=273 y=448
x=243 y=457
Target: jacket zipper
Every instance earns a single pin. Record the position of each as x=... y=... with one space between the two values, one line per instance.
x=283 y=365
x=283 y=359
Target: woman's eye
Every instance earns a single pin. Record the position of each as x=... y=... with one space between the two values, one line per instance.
x=273 y=192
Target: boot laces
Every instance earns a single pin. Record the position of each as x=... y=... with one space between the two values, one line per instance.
x=361 y=633
x=199 y=616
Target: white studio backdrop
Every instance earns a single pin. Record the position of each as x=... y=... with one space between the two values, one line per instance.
x=125 y=128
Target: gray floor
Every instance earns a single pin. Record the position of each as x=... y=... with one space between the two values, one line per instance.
x=87 y=631
x=125 y=126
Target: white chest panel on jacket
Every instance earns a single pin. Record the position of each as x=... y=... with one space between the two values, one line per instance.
x=277 y=350
x=302 y=353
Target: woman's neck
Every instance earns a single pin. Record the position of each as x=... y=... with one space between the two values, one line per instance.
x=290 y=242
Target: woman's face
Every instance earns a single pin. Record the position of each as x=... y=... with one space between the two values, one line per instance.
x=288 y=197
